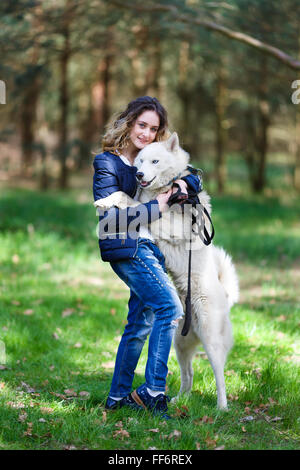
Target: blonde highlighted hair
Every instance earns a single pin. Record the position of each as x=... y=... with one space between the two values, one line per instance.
x=117 y=135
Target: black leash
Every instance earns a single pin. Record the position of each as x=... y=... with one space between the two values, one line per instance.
x=192 y=198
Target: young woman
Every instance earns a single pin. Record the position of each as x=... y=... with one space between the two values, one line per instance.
x=154 y=306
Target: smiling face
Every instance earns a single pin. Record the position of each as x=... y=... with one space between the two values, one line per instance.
x=144 y=129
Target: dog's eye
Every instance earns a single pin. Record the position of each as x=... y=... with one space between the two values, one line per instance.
x=155 y=161
x=141 y=160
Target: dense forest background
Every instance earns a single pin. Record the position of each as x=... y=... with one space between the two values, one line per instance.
x=226 y=72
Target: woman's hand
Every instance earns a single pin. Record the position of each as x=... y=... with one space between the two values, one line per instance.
x=183 y=186
x=163 y=199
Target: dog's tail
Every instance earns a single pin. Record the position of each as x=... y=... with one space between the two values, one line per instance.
x=227 y=275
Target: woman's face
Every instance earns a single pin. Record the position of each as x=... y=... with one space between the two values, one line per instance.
x=145 y=129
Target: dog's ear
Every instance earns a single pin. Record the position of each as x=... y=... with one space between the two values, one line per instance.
x=172 y=143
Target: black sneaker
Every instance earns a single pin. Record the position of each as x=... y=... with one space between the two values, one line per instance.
x=157 y=405
x=112 y=404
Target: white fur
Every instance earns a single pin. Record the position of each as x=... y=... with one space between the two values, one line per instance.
x=214 y=282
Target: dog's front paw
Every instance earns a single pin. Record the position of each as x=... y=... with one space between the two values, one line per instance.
x=114 y=199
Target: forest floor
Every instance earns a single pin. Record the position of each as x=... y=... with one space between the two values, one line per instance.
x=63 y=311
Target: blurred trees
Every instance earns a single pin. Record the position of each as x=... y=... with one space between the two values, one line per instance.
x=222 y=69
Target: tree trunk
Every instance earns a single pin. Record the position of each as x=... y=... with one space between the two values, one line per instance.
x=154 y=71
x=101 y=93
x=221 y=134
x=87 y=131
x=297 y=151
x=28 y=117
x=264 y=124
x=64 y=104
x=258 y=120
x=138 y=68
x=183 y=94
x=297 y=138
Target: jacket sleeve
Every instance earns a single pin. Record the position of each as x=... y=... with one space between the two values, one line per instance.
x=105 y=183
x=193 y=181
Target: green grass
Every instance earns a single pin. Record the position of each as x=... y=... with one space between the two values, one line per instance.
x=63 y=310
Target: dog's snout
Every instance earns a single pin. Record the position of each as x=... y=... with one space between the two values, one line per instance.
x=139 y=175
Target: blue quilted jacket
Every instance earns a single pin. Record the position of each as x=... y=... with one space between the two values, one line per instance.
x=112 y=174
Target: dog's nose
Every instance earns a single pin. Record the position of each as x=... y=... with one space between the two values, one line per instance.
x=139 y=175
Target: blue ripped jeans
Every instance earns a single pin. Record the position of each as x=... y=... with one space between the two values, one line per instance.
x=154 y=307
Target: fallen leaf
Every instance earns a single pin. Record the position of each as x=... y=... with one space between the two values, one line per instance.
x=29 y=311
x=295 y=358
x=77 y=345
x=84 y=394
x=45 y=409
x=230 y=372
x=28 y=432
x=277 y=418
x=104 y=416
x=175 y=434
x=243 y=429
x=257 y=372
x=121 y=433
x=22 y=417
x=211 y=442
x=67 y=312
x=207 y=419
x=112 y=311
x=232 y=397
x=179 y=413
x=246 y=419
x=55 y=336
x=272 y=402
x=13 y=404
x=42 y=420
x=108 y=365
x=281 y=318
x=153 y=430
x=27 y=387
x=15 y=259
x=70 y=392
x=59 y=395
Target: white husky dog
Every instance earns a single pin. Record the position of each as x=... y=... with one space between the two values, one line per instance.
x=214 y=282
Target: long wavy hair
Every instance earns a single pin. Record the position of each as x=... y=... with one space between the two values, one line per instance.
x=117 y=135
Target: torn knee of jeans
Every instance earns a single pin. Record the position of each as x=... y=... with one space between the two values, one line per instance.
x=176 y=321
